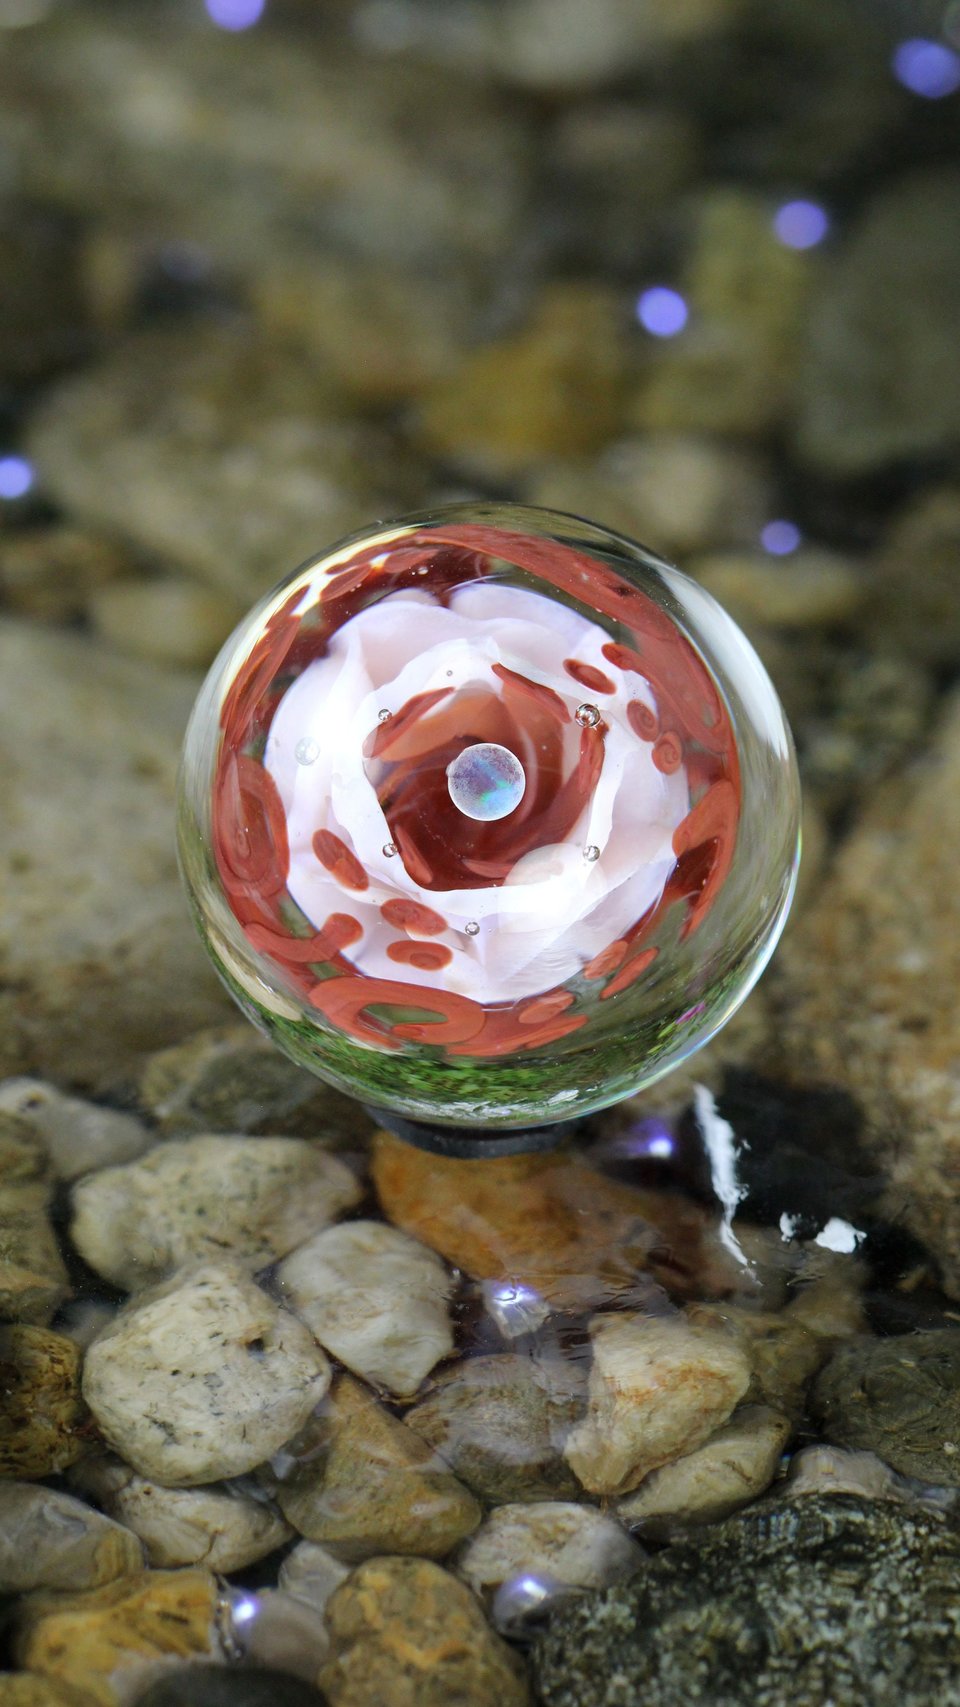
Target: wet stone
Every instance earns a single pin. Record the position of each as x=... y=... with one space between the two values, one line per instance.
x=500 y=1422
x=816 y=589
x=33 y=1280
x=374 y=1486
x=659 y=1386
x=49 y=1540
x=249 y=1199
x=229 y=1079
x=277 y=1629
x=782 y=1353
x=202 y=1377
x=920 y=614
x=800 y=1604
x=106 y=1641
x=311 y=1574
x=210 y=1686
x=899 y=1398
x=556 y=1541
x=734 y=1466
x=78 y=1137
x=51 y=573
x=44 y=1423
x=165 y=619
x=405 y=1632
x=375 y=1299
x=210 y=1526
x=28 y=1689
x=837 y=1470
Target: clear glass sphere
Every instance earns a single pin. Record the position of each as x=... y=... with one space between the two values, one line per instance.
x=489 y=816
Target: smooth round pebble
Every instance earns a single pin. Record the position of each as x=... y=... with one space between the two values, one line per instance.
x=215 y=1686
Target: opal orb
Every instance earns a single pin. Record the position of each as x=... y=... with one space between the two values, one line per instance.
x=489 y=816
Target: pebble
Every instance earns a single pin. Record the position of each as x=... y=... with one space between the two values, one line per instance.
x=680 y=491
x=376 y=1487
x=406 y=1633
x=107 y=1641
x=375 y=1299
x=555 y=1540
x=43 y=1421
x=230 y=1079
x=897 y=1397
x=782 y=1352
x=167 y=620
x=735 y=1465
x=501 y=1422
x=213 y=1686
x=733 y=367
x=812 y=589
x=78 y=1136
x=99 y=961
x=551 y=389
x=43 y=323
x=821 y=1599
x=552 y=47
x=919 y=615
x=219 y=454
x=880 y=377
x=248 y=1199
x=856 y=993
x=659 y=1387
x=277 y=1629
x=202 y=1377
x=837 y=1470
x=311 y=1574
x=33 y=1280
x=28 y=1689
x=49 y=1540
x=551 y=1224
x=214 y=1527
x=50 y=573
x=614 y=163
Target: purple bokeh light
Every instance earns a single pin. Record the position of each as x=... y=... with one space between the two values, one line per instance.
x=662 y=311
x=927 y=68
x=16 y=476
x=801 y=224
x=780 y=537
x=234 y=14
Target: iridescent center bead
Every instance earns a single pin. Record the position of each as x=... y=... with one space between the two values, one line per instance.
x=486 y=782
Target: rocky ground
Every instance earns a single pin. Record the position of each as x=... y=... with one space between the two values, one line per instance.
x=290 y=1412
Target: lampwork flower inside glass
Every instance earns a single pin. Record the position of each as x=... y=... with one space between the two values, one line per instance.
x=489 y=816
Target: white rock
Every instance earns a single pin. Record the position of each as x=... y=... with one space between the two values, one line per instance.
x=50 y=1540
x=733 y=1466
x=252 y=1199
x=202 y=1378
x=78 y=1136
x=183 y=1526
x=554 y=1539
x=311 y=1574
x=659 y=1386
x=376 y=1299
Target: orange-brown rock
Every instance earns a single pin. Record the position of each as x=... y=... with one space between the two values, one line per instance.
x=44 y=1423
x=551 y=1223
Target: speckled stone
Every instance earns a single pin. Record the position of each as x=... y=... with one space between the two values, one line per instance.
x=249 y=1199
x=501 y=1422
x=213 y=1686
x=49 y=1540
x=733 y=1466
x=44 y=1423
x=659 y=1386
x=843 y=1600
x=375 y=1299
x=202 y=1377
x=899 y=1398
x=107 y=1640
x=376 y=1487
x=229 y=1079
x=404 y=1633
x=566 y=1543
x=211 y=1526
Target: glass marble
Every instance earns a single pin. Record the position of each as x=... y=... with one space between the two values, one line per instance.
x=489 y=816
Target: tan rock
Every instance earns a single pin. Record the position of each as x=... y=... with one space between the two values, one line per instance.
x=551 y=389
x=566 y=1543
x=857 y=997
x=376 y=1487
x=375 y=1298
x=733 y=1466
x=659 y=1387
x=109 y=1639
x=50 y=573
x=33 y=1280
x=202 y=1377
x=782 y=1352
x=29 y=1689
x=406 y=1632
x=214 y=1527
x=285 y=1632
x=549 y=1222
x=168 y=620
x=812 y=589
x=249 y=1199
x=49 y=1540
x=921 y=611
x=310 y=1573
x=44 y=1423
